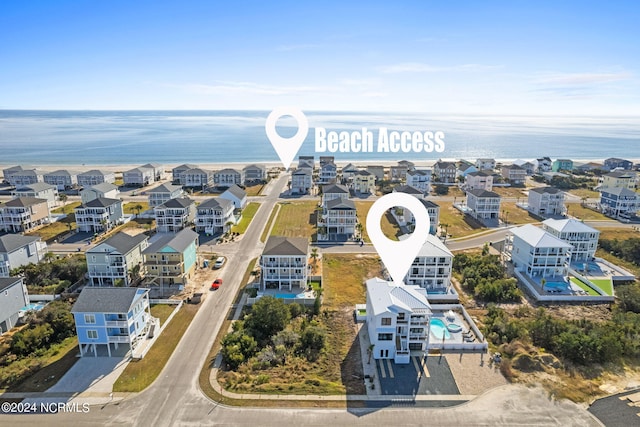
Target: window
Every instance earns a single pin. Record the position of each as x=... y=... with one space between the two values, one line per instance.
x=90 y=318
x=385 y=337
x=386 y=321
x=92 y=334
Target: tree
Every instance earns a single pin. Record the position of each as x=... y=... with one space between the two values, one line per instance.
x=314 y=255
x=48 y=257
x=312 y=341
x=138 y=209
x=441 y=190
x=268 y=317
x=63 y=198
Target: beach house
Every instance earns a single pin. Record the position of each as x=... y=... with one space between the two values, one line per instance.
x=546 y=201
x=562 y=165
x=116 y=261
x=254 y=174
x=99 y=215
x=377 y=170
x=485 y=164
x=197 y=178
x=7 y=172
x=158 y=171
x=22 y=177
x=235 y=195
x=337 y=220
x=480 y=180
x=170 y=259
x=227 y=177
x=323 y=160
x=214 y=216
x=104 y=190
x=445 y=172
x=465 y=168
x=484 y=205
x=582 y=238
x=514 y=173
x=348 y=171
x=307 y=162
x=420 y=179
x=334 y=191
x=94 y=177
x=405 y=217
x=163 y=193
x=39 y=190
x=17 y=250
x=138 y=177
x=328 y=173
x=618 y=179
x=23 y=214
x=529 y=167
x=397 y=319
x=363 y=182
x=431 y=269
x=177 y=173
x=619 y=202
x=284 y=263
x=544 y=164
x=538 y=253
x=107 y=318
x=301 y=181
x=13 y=297
x=616 y=163
x=174 y=215
x=63 y=179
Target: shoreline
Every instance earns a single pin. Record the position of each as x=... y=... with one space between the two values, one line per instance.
x=118 y=168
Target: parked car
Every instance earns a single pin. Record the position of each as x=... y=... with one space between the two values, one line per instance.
x=216 y=284
x=219 y=262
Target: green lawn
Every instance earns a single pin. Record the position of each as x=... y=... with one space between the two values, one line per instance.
x=580 y=212
x=162 y=311
x=139 y=374
x=247 y=215
x=459 y=224
x=55 y=230
x=515 y=215
x=295 y=219
x=584 y=286
x=132 y=207
x=344 y=277
x=604 y=284
x=388 y=224
x=66 y=209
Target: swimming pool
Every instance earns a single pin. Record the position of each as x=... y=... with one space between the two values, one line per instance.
x=289 y=296
x=438 y=328
x=556 y=286
x=32 y=306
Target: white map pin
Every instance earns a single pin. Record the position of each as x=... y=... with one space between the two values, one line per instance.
x=398 y=256
x=286 y=148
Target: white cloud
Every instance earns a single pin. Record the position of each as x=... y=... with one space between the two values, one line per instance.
x=419 y=67
x=583 y=78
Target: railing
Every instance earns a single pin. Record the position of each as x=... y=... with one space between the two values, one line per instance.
x=119 y=338
x=116 y=323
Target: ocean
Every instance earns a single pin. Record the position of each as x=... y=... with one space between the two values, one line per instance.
x=131 y=137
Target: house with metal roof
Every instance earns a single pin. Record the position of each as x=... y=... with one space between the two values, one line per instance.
x=538 y=253
x=113 y=319
x=431 y=269
x=116 y=261
x=284 y=263
x=580 y=236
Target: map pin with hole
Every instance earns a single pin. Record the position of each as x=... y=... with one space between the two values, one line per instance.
x=286 y=148
x=397 y=257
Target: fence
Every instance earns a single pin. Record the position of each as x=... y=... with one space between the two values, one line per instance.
x=533 y=292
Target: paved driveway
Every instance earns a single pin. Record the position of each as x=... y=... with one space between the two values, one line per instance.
x=416 y=377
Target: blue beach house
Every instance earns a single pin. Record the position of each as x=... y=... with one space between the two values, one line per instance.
x=107 y=318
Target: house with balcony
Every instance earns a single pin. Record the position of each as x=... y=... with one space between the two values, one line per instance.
x=99 y=215
x=254 y=174
x=39 y=190
x=484 y=206
x=328 y=173
x=537 y=253
x=582 y=238
x=544 y=164
x=301 y=181
x=398 y=318
x=323 y=160
x=7 y=172
x=63 y=179
x=138 y=177
x=404 y=217
x=431 y=269
x=619 y=202
x=235 y=195
x=284 y=263
x=562 y=165
x=24 y=214
x=158 y=171
x=95 y=177
x=334 y=191
x=515 y=174
x=23 y=177
x=445 y=172
x=363 y=182
x=618 y=179
x=529 y=167
x=214 y=216
x=197 y=178
x=112 y=319
x=104 y=190
x=485 y=164
x=177 y=173
x=616 y=163
x=17 y=250
x=174 y=215
x=480 y=180
x=116 y=261
x=13 y=297
x=420 y=179
x=546 y=201
x=163 y=193
x=377 y=170
x=171 y=259
x=588 y=167
x=465 y=168
x=337 y=220
x=227 y=177
x=348 y=172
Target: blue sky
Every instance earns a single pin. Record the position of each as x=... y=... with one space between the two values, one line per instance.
x=506 y=58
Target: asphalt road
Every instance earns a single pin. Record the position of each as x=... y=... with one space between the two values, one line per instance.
x=175 y=399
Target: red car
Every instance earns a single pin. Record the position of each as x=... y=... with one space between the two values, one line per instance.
x=216 y=284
